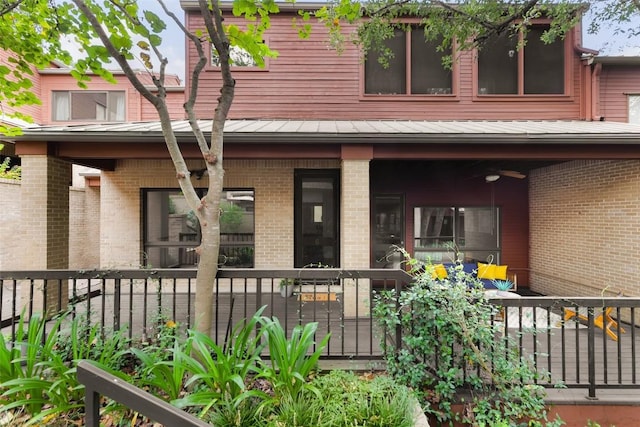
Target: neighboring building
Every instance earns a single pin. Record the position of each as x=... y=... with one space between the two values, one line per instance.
x=332 y=160
x=64 y=103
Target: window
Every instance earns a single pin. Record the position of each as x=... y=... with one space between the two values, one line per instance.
x=88 y=106
x=440 y=232
x=634 y=109
x=535 y=70
x=415 y=67
x=172 y=231
x=239 y=57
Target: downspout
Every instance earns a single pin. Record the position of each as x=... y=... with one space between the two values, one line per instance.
x=590 y=78
x=595 y=88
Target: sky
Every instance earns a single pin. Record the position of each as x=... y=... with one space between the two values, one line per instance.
x=173 y=44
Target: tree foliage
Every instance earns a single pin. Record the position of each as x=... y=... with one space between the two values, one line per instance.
x=465 y=23
x=30 y=38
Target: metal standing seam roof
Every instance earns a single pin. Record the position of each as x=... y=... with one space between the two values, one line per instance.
x=369 y=131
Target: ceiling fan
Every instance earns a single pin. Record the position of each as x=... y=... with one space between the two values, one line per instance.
x=494 y=175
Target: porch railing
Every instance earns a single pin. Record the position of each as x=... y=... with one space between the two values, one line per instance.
x=100 y=383
x=575 y=352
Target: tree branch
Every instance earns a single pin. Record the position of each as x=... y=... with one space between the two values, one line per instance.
x=115 y=54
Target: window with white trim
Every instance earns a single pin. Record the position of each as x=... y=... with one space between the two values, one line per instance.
x=634 y=109
x=101 y=106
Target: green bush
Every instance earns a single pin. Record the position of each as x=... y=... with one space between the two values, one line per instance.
x=38 y=372
x=10 y=172
x=226 y=385
x=451 y=352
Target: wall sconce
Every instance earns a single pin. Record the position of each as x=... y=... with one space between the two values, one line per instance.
x=491 y=178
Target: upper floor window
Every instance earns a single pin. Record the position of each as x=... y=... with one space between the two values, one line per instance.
x=415 y=67
x=536 y=69
x=239 y=57
x=88 y=106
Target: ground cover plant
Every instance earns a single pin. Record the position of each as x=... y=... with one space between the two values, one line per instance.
x=453 y=352
x=226 y=384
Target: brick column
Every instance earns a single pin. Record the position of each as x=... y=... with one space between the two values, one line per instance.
x=45 y=222
x=355 y=236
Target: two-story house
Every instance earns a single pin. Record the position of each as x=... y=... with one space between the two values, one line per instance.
x=508 y=156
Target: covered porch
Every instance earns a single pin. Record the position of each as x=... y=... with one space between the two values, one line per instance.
x=564 y=223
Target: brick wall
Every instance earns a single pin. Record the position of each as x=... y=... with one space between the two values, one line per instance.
x=10 y=224
x=84 y=228
x=355 y=224
x=272 y=181
x=585 y=228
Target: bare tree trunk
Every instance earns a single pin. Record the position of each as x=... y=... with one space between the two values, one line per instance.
x=209 y=252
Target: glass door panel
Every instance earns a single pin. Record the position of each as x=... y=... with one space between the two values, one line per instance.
x=316 y=218
x=387 y=230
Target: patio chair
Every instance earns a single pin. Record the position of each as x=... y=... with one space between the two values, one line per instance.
x=603 y=321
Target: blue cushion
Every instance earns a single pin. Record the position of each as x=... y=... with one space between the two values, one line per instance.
x=472 y=268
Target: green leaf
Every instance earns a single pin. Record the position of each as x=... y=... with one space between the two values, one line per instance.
x=157 y=24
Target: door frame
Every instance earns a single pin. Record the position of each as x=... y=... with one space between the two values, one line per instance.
x=300 y=175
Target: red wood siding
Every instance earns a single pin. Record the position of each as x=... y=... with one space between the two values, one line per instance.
x=309 y=80
x=616 y=82
x=31 y=110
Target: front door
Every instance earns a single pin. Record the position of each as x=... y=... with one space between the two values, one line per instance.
x=316 y=208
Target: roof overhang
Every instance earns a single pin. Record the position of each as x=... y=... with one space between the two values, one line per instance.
x=102 y=145
x=352 y=132
x=617 y=60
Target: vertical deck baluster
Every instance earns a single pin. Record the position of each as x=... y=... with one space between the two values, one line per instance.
x=577 y=350
x=633 y=345
x=174 y=312
x=145 y=308
x=130 y=317
x=591 y=353
x=605 y=354
x=117 y=295
x=103 y=310
x=188 y=322
x=618 y=344
x=563 y=345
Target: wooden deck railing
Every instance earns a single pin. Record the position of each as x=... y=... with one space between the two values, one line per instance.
x=576 y=352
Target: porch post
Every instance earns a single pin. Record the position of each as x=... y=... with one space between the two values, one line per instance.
x=45 y=223
x=355 y=237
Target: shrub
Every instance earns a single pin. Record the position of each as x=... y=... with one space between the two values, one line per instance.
x=10 y=172
x=451 y=348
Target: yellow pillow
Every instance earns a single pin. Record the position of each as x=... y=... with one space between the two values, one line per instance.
x=501 y=272
x=439 y=272
x=486 y=271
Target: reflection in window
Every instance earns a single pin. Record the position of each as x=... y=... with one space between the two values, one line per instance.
x=440 y=232
x=237 y=55
x=538 y=70
x=172 y=230
x=88 y=106
x=634 y=109
x=427 y=74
